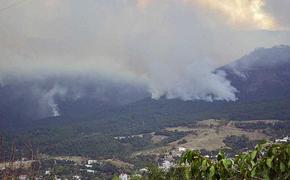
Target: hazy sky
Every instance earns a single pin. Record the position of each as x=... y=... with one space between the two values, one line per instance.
x=171 y=45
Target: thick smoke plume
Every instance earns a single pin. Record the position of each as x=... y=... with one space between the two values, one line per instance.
x=49 y=98
x=172 y=47
x=242 y=13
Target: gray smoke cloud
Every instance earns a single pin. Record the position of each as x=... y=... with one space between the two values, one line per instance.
x=171 y=47
x=43 y=96
x=48 y=98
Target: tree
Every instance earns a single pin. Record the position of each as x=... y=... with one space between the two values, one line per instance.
x=266 y=161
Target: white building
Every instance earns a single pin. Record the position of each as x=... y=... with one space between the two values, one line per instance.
x=143 y=170
x=22 y=177
x=181 y=149
x=284 y=140
x=89 y=165
x=166 y=165
x=123 y=176
x=90 y=171
x=92 y=161
x=76 y=177
x=120 y=137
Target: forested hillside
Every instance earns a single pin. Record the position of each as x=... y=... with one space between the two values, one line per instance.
x=93 y=119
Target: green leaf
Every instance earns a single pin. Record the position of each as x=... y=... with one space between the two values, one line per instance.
x=274 y=151
x=253 y=155
x=253 y=172
x=204 y=165
x=224 y=163
x=187 y=173
x=227 y=163
x=269 y=162
x=116 y=178
x=266 y=174
x=282 y=167
x=220 y=156
x=288 y=149
x=252 y=163
x=211 y=171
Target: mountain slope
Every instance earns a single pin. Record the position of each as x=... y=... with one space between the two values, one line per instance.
x=23 y=100
x=264 y=74
x=262 y=79
x=87 y=126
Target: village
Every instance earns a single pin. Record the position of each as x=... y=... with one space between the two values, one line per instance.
x=79 y=168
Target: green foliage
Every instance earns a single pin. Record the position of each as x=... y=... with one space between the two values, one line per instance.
x=136 y=177
x=93 y=135
x=266 y=161
x=115 y=178
x=156 y=173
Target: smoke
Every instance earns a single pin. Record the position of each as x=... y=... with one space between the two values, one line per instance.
x=244 y=14
x=184 y=81
x=143 y=3
x=37 y=97
x=48 y=98
x=1 y=82
x=172 y=47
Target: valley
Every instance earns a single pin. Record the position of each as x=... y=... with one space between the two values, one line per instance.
x=122 y=129
x=166 y=145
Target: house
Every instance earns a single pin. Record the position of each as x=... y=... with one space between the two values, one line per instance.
x=90 y=171
x=89 y=165
x=123 y=176
x=76 y=177
x=143 y=170
x=120 y=137
x=181 y=149
x=92 y=161
x=47 y=172
x=22 y=177
x=284 y=140
x=24 y=159
x=166 y=165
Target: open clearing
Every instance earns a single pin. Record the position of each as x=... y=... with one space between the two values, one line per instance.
x=209 y=135
x=16 y=164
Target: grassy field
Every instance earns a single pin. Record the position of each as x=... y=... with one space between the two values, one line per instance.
x=208 y=135
x=211 y=137
x=17 y=164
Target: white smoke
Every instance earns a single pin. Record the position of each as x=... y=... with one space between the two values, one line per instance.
x=165 y=46
x=55 y=110
x=48 y=99
x=196 y=81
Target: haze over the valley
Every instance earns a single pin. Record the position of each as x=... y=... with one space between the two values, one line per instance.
x=172 y=47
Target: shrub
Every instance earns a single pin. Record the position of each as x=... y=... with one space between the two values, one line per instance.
x=266 y=161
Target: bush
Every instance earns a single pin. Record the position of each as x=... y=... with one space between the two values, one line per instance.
x=266 y=161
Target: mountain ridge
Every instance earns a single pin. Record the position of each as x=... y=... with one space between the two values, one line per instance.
x=257 y=85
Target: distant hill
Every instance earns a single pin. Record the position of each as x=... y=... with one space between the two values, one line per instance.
x=261 y=77
x=263 y=74
x=23 y=100
x=87 y=123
